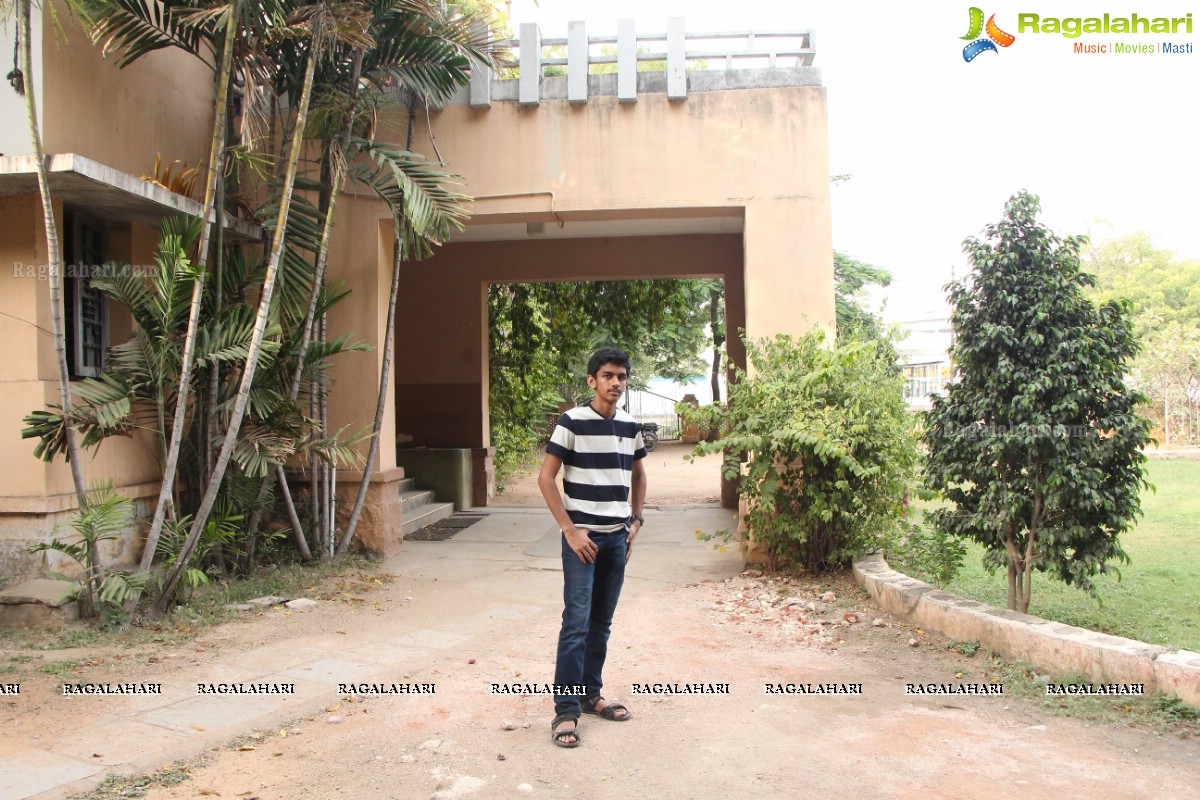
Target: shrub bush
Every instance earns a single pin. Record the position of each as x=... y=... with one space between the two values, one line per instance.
x=829 y=446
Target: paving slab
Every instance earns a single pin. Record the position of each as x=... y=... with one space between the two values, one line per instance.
x=330 y=671
x=232 y=714
x=31 y=771
x=117 y=742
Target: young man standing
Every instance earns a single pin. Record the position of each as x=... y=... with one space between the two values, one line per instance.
x=599 y=449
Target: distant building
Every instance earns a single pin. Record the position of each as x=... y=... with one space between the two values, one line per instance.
x=925 y=357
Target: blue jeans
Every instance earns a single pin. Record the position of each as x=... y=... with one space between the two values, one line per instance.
x=590 y=594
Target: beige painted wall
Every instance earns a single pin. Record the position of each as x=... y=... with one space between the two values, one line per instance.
x=361 y=255
x=761 y=152
x=28 y=371
x=122 y=117
x=758 y=154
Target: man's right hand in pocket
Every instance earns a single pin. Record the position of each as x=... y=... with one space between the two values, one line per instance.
x=581 y=544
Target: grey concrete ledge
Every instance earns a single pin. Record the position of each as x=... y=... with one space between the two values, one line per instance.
x=1052 y=646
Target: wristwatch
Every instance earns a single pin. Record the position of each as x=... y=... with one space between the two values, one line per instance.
x=638 y=518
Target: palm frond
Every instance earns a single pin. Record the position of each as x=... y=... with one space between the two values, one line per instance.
x=228 y=342
x=418 y=192
x=333 y=449
x=134 y=28
x=260 y=447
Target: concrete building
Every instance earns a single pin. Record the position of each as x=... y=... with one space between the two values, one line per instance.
x=720 y=171
x=924 y=356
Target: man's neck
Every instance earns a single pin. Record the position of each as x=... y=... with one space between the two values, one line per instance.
x=602 y=407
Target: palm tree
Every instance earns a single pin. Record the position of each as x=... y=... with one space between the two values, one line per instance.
x=419 y=45
x=216 y=167
x=324 y=28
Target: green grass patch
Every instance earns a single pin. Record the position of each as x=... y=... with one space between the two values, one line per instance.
x=1161 y=713
x=72 y=638
x=1156 y=599
x=62 y=669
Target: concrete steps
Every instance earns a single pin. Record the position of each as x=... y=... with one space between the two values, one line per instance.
x=420 y=507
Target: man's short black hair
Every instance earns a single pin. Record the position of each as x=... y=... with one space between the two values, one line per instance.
x=607 y=355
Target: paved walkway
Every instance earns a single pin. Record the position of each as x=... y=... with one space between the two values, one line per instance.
x=503 y=568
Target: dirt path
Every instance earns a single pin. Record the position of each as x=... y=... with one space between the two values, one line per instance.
x=744 y=744
x=483 y=608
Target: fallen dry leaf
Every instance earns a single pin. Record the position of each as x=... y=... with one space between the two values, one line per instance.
x=198 y=727
x=246 y=748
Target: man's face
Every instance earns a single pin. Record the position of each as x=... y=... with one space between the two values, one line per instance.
x=609 y=382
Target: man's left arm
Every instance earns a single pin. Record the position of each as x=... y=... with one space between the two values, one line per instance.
x=637 y=500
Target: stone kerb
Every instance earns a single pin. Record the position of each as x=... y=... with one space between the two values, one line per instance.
x=1053 y=646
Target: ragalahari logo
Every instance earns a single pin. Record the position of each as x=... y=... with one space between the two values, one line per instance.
x=994 y=37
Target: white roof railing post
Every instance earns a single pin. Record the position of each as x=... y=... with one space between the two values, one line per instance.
x=676 y=60
x=626 y=61
x=577 y=62
x=529 y=91
x=481 y=77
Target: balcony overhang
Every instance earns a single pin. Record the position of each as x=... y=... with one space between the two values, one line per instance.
x=108 y=193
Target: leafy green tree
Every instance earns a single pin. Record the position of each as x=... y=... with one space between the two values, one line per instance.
x=830 y=446
x=1164 y=293
x=540 y=335
x=1160 y=287
x=1037 y=444
x=851 y=279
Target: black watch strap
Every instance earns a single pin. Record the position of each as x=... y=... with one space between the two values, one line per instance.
x=638 y=518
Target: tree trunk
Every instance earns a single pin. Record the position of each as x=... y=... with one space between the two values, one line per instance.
x=293 y=517
x=1013 y=568
x=255 y=352
x=1035 y=523
x=337 y=177
x=714 y=321
x=53 y=256
x=216 y=168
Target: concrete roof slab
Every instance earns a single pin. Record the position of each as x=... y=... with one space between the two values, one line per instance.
x=106 y=192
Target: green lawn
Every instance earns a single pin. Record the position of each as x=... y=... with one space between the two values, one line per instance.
x=1157 y=598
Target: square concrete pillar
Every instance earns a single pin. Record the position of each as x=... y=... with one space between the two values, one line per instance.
x=577 y=62
x=481 y=78
x=676 y=60
x=626 y=61
x=530 y=83
x=381 y=527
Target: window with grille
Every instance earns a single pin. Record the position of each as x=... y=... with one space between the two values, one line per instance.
x=86 y=306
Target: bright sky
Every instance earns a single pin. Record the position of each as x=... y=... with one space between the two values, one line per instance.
x=936 y=145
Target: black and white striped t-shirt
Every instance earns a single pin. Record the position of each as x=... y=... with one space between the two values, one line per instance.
x=597 y=456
